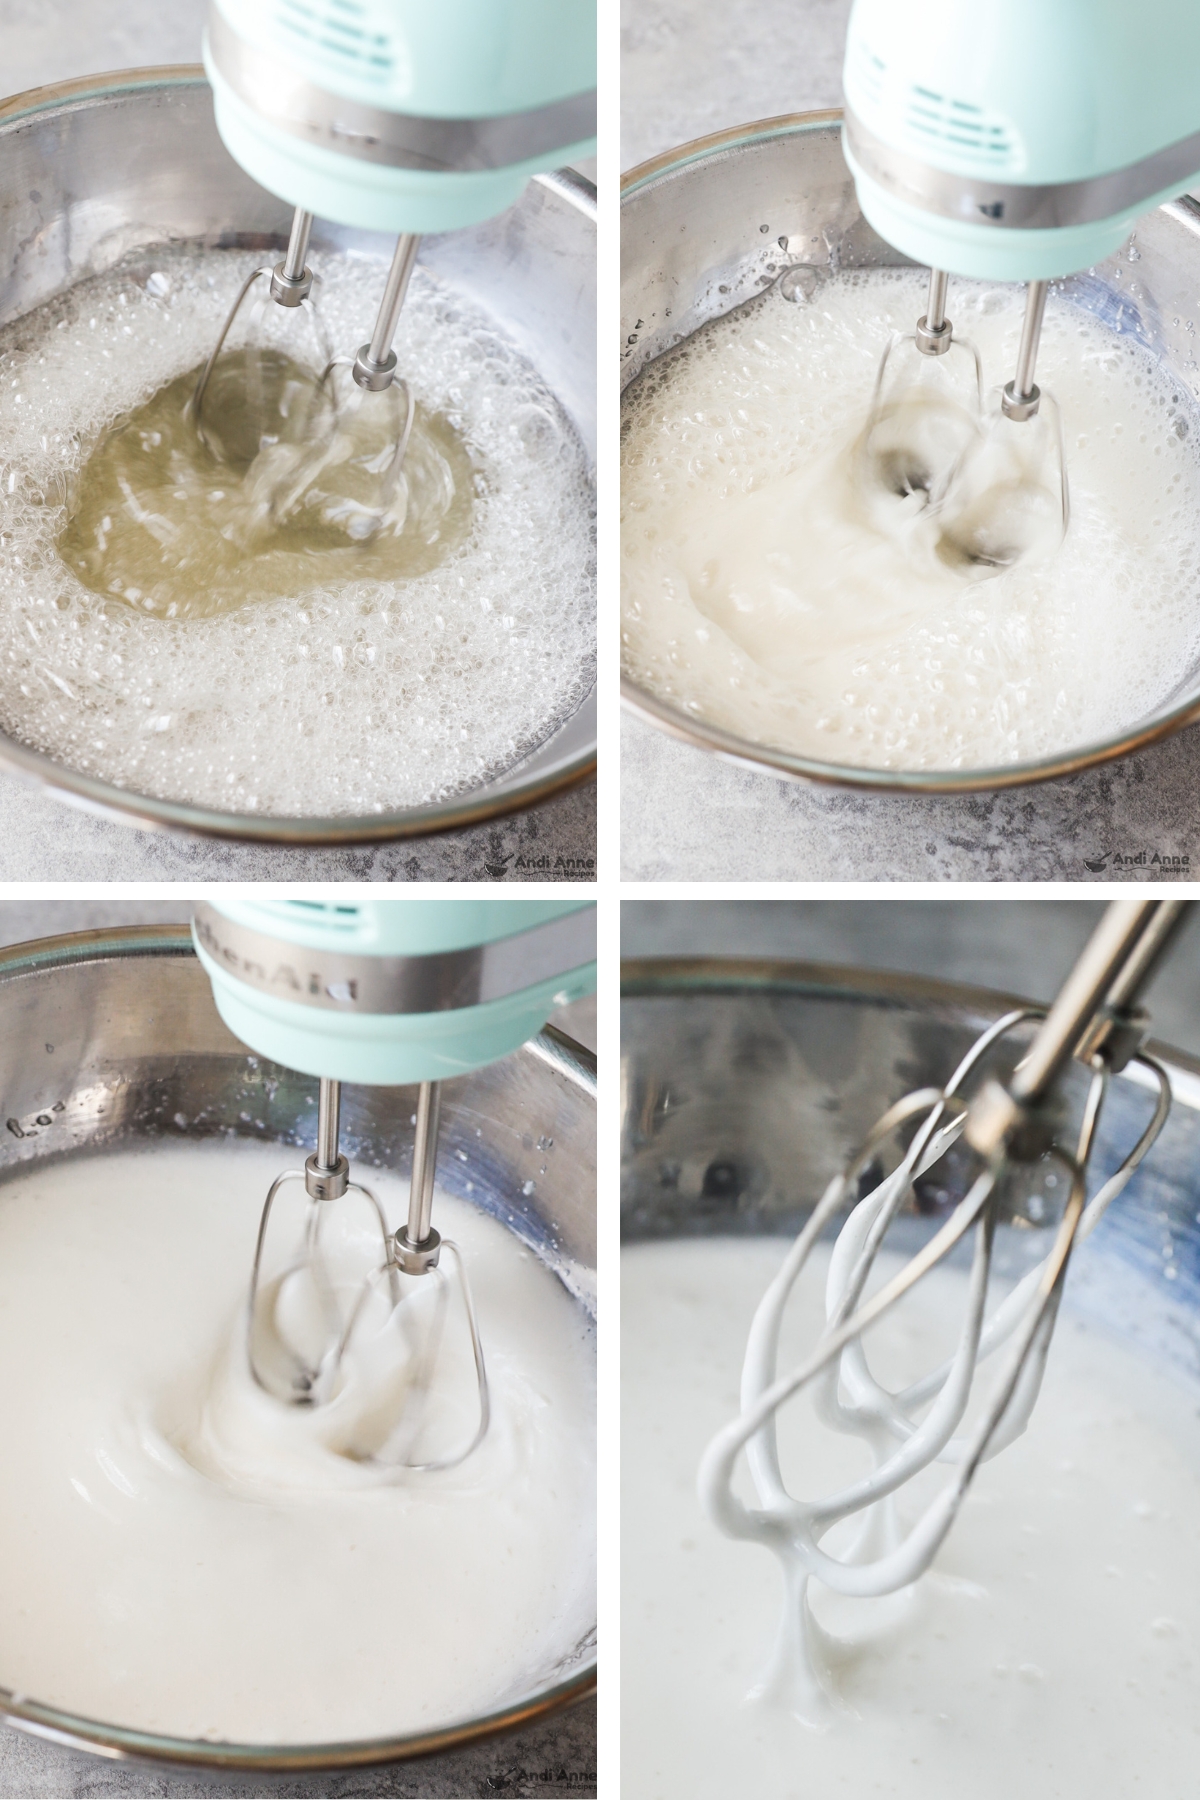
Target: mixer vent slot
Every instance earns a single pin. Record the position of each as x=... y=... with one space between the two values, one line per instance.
x=922 y=120
x=343 y=29
x=332 y=915
x=871 y=71
x=968 y=132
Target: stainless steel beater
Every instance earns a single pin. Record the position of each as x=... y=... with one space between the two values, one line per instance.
x=290 y=285
x=1011 y=496
x=919 y=429
x=934 y=335
x=303 y=1367
x=1094 y=1018
x=320 y=432
x=995 y=483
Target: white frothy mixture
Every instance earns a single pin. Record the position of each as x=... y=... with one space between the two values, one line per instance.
x=1052 y=1651
x=183 y=1554
x=758 y=597
x=355 y=697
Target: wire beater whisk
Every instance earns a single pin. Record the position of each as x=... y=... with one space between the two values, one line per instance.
x=303 y=1324
x=1093 y=1018
x=343 y=439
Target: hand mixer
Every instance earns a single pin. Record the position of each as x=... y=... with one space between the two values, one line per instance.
x=1017 y=141
x=395 y=116
x=380 y=992
x=1095 y=1018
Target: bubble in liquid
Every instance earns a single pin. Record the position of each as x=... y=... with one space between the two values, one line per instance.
x=268 y=500
x=338 y=694
x=800 y=283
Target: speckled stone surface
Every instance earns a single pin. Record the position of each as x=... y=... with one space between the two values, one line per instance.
x=43 y=840
x=690 y=67
x=54 y=40
x=687 y=816
x=558 y=1758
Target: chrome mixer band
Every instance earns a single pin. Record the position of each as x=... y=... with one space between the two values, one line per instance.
x=442 y=981
x=1019 y=205
x=398 y=140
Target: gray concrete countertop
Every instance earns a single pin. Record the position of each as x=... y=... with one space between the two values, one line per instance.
x=690 y=67
x=43 y=840
x=688 y=816
x=555 y=1758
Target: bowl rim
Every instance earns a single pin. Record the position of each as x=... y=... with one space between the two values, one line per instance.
x=123 y=805
x=119 y=1743
x=765 y=758
x=670 y=977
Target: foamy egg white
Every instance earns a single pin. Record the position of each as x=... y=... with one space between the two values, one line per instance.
x=755 y=599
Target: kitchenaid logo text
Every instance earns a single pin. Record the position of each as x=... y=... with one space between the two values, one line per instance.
x=283 y=976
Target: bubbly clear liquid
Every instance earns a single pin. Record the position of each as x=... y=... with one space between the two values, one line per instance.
x=313 y=675
x=182 y=525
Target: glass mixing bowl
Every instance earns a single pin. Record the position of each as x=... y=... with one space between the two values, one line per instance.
x=93 y=169
x=747 y=1084
x=700 y=234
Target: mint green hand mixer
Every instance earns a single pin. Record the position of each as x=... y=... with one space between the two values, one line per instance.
x=381 y=992
x=395 y=116
x=1015 y=140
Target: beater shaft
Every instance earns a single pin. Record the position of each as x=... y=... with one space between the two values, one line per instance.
x=417 y=1243
x=1109 y=973
x=1126 y=990
x=291 y=281
x=1119 y=1029
x=934 y=330
x=1022 y=396
x=420 y=1204
x=329 y=1113
x=326 y=1174
x=1104 y=960
x=375 y=364
x=297 y=250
